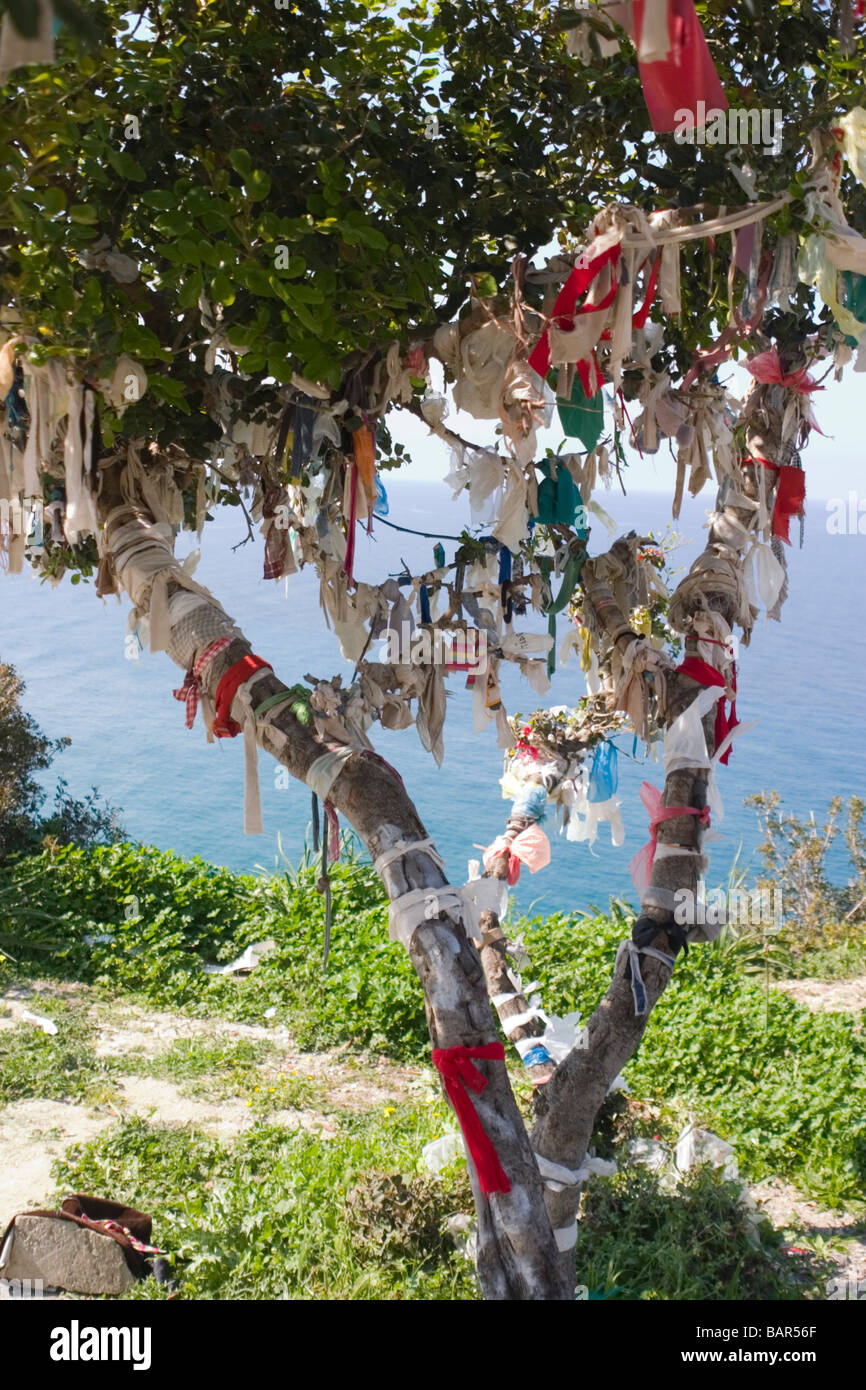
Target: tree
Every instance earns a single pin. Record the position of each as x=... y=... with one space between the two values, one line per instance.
x=232 y=244
x=24 y=753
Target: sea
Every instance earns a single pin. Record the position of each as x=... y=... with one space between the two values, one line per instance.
x=802 y=679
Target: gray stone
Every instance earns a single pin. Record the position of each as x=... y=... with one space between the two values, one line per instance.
x=67 y=1256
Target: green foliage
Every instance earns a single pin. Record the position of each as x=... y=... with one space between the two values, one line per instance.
x=785 y=1085
x=61 y=1066
x=281 y=1215
x=168 y=917
x=794 y=852
x=697 y=1243
x=275 y=177
x=212 y=1068
x=24 y=752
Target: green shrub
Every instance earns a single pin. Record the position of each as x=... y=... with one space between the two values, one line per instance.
x=288 y=1215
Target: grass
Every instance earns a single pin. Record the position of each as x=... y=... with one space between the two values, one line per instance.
x=40 y=1066
x=286 y=1215
x=279 y=1214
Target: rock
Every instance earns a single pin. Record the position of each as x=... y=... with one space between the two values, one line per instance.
x=67 y=1256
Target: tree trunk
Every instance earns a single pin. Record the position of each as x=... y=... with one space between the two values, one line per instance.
x=517 y=1254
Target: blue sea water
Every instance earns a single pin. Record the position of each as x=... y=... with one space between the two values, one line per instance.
x=803 y=679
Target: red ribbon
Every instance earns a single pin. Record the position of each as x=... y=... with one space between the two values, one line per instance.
x=705 y=674
x=565 y=307
x=223 y=725
x=456 y=1066
x=639 y=319
x=790 y=495
x=767 y=367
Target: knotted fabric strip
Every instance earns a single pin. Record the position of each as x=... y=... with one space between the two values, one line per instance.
x=404 y=847
x=525 y=1046
x=638 y=988
x=407 y=912
x=707 y=675
x=557 y=1177
x=230 y=683
x=520 y=1020
x=323 y=773
x=456 y=1066
x=566 y=306
x=531 y=847
x=790 y=494
x=249 y=667
x=665 y=899
x=191 y=688
x=641 y=865
x=536 y=1055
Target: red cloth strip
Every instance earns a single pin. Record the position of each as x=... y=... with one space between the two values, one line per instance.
x=639 y=319
x=790 y=494
x=456 y=1066
x=190 y=690
x=223 y=725
x=575 y=286
x=686 y=76
x=705 y=674
x=641 y=865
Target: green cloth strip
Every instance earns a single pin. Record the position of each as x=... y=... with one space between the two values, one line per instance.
x=570 y=576
x=298 y=693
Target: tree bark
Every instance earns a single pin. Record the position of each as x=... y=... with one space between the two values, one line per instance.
x=517 y=1256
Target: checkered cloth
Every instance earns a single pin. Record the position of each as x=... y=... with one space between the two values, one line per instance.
x=189 y=691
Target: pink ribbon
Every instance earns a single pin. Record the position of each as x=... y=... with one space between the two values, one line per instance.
x=641 y=865
x=531 y=847
x=767 y=367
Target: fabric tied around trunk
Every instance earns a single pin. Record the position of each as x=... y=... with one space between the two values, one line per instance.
x=460 y=1075
x=531 y=847
x=638 y=988
x=641 y=865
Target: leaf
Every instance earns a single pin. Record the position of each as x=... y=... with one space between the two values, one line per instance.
x=53 y=201
x=257 y=185
x=190 y=291
x=241 y=162
x=221 y=289
x=168 y=389
x=126 y=166
x=159 y=198
x=83 y=214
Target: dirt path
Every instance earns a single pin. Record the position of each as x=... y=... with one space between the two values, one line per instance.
x=36 y=1132
x=836 y=996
